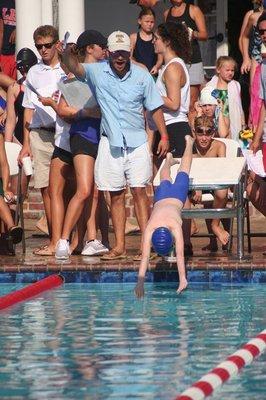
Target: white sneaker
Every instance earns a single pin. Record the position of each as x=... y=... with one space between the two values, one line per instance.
x=94 y=248
x=62 y=250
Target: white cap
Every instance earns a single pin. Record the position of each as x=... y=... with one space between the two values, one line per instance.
x=118 y=41
x=206 y=96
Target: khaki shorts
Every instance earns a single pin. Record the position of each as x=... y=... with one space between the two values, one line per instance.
x=42 y=147
x=116 y=168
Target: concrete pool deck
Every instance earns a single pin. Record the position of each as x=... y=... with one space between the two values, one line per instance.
x=201 y=260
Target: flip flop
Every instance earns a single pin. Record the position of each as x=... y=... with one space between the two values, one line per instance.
x=40 y=248
x=113 y=255
x=16 y=233
x=44 y=251
x=139 y=256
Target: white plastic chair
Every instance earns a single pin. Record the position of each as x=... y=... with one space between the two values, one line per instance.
x=232 y=150
x=12 y=153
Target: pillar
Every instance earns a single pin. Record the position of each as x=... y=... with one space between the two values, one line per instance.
x=47 y=12
x=71 y=18
x=29 y=17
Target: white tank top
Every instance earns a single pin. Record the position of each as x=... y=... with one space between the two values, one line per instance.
x=181 y=115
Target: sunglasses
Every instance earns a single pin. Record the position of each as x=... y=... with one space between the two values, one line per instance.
x=262 y=31
x=119 y=53
x=45 y=45
x=204 y=132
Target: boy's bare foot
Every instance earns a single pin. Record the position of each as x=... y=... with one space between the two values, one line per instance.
x=221 y=234
x=171 y=160
x=182 y=285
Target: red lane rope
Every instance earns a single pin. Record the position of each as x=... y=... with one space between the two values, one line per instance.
x=224 y=371
x=30 y=291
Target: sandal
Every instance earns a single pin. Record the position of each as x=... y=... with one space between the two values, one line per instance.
x=39 y=248
x=114 y=255
x=16 y=233
x=138 y=257
x=44 y=251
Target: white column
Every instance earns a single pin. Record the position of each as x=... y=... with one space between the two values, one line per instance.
x=47 y=12
x=71 y=18
x=29 y=17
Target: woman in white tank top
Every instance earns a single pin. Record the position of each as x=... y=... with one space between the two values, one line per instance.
x=172 y=41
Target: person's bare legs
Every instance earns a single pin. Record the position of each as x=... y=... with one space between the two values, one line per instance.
x=141 y=205
x=59 y=172
x=220 y=200
x=194 y=96
x=256 y=191
x=118 y=214
x=212 y=246
x=102 y=216
x=5 y=214
x=185 y=166
x=84 y=168
x=47 y=206
x=91 y=222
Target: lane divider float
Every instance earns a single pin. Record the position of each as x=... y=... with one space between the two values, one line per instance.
x=224 y=371
x=30 y=291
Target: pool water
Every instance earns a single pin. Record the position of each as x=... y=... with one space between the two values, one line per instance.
x=96 y=341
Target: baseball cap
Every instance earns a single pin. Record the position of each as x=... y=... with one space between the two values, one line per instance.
x=118 y=41
x=162 y=241
x=206 y=96
x=89 y=37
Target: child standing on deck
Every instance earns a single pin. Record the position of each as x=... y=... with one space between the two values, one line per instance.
x=142 y=42
x=229 y=92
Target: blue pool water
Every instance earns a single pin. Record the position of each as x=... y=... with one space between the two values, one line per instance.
x=96 y=341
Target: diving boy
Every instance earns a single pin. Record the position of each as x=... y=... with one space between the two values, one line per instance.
x=164 y=227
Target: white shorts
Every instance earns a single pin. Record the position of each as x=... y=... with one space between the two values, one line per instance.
x=115 y=168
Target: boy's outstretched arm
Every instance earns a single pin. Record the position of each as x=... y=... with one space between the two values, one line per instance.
x=145 y=251
x=180 y=260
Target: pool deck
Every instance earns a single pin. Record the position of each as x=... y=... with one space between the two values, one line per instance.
x=201 y=260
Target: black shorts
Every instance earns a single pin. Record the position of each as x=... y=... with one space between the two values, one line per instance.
x=176 y=133
x=80 y=145
x=63 y=155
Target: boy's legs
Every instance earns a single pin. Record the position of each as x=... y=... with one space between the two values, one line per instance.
x=186 y=161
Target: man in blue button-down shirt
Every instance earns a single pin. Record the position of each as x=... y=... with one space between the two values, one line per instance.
x=123 y=90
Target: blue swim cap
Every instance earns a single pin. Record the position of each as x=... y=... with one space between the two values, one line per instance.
x=162 y=241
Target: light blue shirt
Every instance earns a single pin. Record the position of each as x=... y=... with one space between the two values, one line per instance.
x=122 y=102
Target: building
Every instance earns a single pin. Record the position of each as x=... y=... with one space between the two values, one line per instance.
x=223 y=17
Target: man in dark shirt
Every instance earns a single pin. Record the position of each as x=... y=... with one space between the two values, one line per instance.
x=8 y=37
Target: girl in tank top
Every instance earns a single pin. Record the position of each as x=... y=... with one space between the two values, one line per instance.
x=192 y=17
x=172 y=42
x=142 y=46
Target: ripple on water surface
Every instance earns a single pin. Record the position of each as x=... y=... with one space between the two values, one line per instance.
x=98 y=341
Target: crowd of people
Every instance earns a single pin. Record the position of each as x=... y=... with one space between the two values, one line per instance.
x=102 y=114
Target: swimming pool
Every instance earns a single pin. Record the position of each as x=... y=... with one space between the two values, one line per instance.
x=96 y=341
